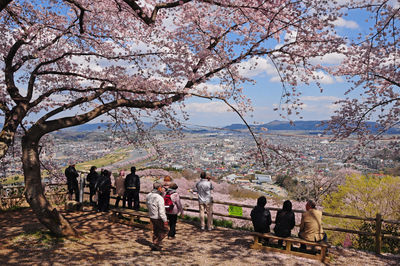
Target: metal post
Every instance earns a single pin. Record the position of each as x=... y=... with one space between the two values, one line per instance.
x=81 y=186
x=378 y=231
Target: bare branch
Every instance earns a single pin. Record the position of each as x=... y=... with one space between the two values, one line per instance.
x=4 y=3
x=40 y=129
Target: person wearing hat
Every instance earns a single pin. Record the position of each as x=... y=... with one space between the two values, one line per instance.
x=155 y=205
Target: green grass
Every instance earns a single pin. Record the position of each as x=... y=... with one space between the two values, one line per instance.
x=37 y=240
x=103 y=161
x=216 y=222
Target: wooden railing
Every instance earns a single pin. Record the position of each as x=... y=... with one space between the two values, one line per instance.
x=378 y=234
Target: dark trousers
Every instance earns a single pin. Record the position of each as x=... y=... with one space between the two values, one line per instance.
x=92 y=192
x=123 y=201
x=324 y=239
x=172 y=219
x=133 y=195
x=159 y=231
x=73 y=187
x=104 y=201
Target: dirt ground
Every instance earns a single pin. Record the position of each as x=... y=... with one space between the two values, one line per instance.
x=106 y=243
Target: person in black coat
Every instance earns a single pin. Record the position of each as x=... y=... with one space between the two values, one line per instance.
x=72 y=181
x=260 y=216
x=92 y=178
x=285 y=221
x=103 y=187
x=132 y=188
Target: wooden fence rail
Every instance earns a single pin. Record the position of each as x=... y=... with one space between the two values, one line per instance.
x=378 y=234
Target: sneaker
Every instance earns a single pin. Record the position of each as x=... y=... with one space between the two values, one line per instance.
x=202 y=228
x=211 y=228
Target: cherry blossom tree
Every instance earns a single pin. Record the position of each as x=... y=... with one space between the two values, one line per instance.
x=371 y=65
x=67 y=62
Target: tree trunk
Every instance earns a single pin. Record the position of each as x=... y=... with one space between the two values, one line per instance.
x=34 y=191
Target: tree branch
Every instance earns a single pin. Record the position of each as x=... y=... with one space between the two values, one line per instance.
x=40 y=129
x=4 y=3
x=81 y=14
x=149 y=20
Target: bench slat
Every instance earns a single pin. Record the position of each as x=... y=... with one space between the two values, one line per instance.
x=292 y=239
x=289 y=241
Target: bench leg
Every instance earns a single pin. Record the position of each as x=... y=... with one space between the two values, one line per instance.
x=288 y=245
x=323 y=253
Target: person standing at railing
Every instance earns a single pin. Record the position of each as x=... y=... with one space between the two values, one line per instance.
x=120 y=189
x=203 y=189
x=103 y=187
x=311 y=224
x=72 y=181
x=132 y=188
x=92 y=179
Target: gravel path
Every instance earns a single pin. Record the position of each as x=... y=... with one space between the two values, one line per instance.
x=105 y=243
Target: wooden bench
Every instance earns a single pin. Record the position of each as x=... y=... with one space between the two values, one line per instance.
x=291 y=246
x=131 y=217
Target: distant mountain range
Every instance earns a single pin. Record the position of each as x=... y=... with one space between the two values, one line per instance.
x=283 y=125
x=314 y=126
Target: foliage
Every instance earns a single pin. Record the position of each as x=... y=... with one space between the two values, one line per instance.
x=363 y=196
x=388 y=245
x=366 y=196
x=286 y=181
x=240 y=193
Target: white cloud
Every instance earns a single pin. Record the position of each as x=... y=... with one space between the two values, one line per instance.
x=320 y=104
x=275 y=79
x=324 y=78
x=325 y=109
x=319 y=98
x=210 y=107
x=256 y=66
x=349 y=24
x=333 y=58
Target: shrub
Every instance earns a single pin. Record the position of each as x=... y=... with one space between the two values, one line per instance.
x=363 y=196
x=388 y=245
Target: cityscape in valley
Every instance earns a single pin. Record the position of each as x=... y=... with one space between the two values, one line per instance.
x=225 y=154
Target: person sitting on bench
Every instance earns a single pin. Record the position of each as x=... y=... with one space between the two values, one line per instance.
x=284 y=221
x=261 y=217
x=311 y=225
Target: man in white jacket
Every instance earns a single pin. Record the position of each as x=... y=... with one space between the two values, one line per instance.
x=155 y=205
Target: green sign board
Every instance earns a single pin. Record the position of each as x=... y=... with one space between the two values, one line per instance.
x=235 y=211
